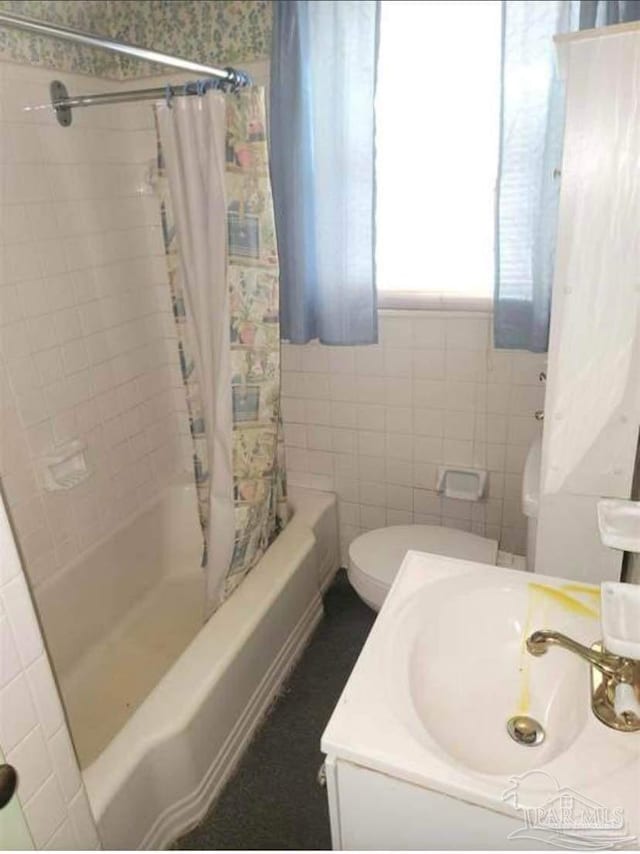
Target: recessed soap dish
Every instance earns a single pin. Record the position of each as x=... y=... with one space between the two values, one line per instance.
x=461 y=483
x=66 y=467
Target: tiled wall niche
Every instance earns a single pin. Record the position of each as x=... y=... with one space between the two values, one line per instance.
x=373 y=423
x=87 y=339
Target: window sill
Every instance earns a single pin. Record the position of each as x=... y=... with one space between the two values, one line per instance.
x=416 y=301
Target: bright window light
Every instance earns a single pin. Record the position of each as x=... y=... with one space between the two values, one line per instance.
x=437 y=115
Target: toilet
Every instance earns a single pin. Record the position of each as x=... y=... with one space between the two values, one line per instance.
x=375 y=557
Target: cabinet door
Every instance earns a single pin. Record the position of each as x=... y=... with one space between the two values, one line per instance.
x=379 y=812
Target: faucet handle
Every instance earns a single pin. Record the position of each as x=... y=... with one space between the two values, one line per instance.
x=620 y=616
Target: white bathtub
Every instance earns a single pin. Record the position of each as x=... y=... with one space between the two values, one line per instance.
x=161 y=706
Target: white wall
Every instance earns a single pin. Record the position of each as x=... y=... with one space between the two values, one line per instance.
x=373 y=423
x=87 y=350
x=87 y=341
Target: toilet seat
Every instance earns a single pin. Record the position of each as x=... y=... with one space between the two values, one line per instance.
x=375 y=557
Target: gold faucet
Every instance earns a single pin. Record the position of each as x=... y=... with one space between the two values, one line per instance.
x=608 y=671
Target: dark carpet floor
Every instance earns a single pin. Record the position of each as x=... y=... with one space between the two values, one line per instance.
x=273 y=801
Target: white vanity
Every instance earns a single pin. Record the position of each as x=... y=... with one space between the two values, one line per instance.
x=418 y=752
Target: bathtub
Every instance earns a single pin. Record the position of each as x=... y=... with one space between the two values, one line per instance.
x=161 y=706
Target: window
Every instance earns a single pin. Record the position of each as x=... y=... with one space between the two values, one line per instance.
x=437 y=138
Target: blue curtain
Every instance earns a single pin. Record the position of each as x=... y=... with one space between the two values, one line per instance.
x=601 y=13
x=323 y=73
x=528 y=174
x=532 y=125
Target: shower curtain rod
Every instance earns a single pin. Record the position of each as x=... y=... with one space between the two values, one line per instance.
x=43 y=28
x=62 y=102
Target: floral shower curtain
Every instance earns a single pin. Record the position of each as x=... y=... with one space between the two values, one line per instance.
x=246 y=376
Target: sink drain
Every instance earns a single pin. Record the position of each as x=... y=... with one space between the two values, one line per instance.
x=525 y=730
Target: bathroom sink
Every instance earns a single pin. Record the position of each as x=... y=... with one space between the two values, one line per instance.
x=467 y=672
x=444 y=671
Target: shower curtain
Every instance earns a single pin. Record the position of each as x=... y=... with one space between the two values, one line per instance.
x=220 y=244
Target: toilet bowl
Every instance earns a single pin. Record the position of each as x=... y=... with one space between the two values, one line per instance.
x=375 y=557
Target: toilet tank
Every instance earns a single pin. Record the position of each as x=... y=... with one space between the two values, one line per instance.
x=531 y=496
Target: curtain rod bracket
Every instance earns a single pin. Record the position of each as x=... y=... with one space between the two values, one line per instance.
x=63 y=103
x=58 y=92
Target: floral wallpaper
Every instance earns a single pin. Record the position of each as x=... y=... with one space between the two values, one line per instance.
x=219 y=32
x=209 y=31
x=29 y=49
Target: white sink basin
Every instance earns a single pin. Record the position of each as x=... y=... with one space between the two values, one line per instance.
x=445 y=668
x=468 y=672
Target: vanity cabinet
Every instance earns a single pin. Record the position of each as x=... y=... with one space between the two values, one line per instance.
x=419 y=752
x=372 y=811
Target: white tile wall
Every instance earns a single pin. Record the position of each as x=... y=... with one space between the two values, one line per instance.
x=33 y=733
x=87 y=349
x=87 y=343
x=373 y=423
